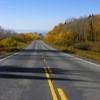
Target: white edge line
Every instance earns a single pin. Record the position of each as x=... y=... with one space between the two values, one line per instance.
x=8 y=56
x=82 y=60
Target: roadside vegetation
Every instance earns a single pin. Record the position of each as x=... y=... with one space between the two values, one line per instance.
x=80 y=36
x=11 y=41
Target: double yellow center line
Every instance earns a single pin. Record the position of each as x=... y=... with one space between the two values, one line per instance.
x=52 y=89
x=51 y=85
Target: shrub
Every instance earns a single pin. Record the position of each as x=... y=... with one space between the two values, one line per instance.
x=95 y=47
x=82 y=46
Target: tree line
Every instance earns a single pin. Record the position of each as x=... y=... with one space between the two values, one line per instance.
x=82 y=33
x=11 y=41
x=6 y=32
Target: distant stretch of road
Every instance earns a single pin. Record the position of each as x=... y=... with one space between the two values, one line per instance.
x=40 y=72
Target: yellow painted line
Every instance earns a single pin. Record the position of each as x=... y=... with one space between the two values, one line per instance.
x=62 y=94
x=60 y=91
x=50 y=71
x=52 y=89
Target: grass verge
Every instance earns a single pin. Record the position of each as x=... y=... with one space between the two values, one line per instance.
x=86 y=54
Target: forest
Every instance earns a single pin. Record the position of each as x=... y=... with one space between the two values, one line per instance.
x=11 y=41
x=80 y=36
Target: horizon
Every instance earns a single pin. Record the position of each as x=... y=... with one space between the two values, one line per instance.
x=43 y=15
x=30 y=30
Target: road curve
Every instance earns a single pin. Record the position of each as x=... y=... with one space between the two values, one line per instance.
x=40 y=72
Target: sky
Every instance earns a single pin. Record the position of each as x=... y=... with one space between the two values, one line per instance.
x=43 y=15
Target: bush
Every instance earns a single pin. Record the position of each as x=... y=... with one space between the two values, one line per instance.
x=95 y=47
x=82 y=46
x=68 y=50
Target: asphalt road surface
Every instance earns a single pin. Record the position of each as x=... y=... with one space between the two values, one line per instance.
x=40 y=72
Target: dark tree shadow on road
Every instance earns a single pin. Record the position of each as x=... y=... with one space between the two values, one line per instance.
x=16 y=72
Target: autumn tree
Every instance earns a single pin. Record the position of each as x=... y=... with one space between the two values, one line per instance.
x=82 y=31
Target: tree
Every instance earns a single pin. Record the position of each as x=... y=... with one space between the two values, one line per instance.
x=91 y=28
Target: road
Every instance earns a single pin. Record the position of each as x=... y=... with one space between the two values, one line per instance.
x=40 y=72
